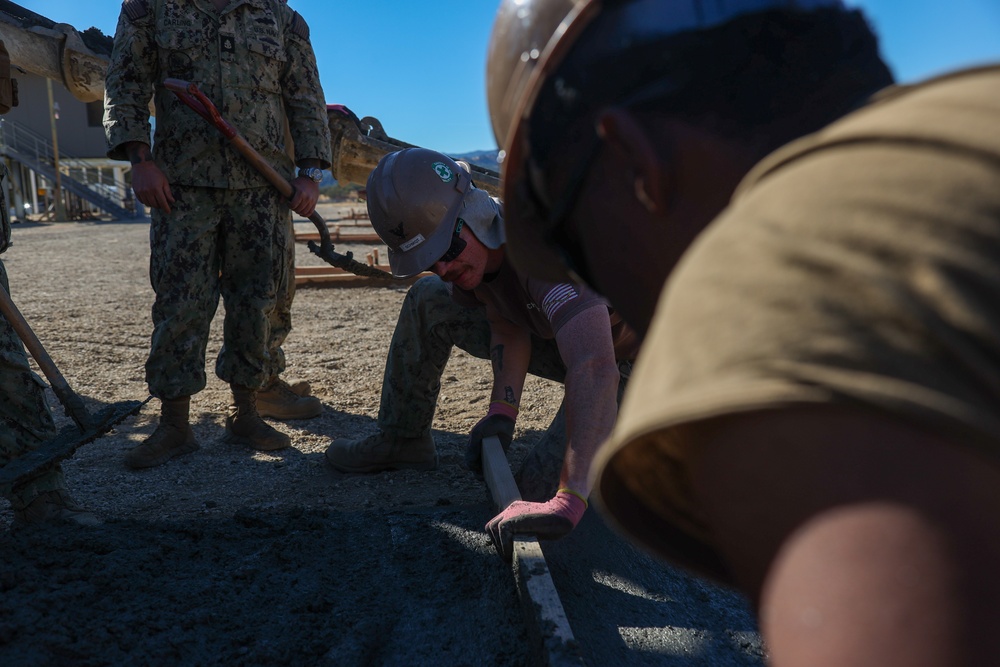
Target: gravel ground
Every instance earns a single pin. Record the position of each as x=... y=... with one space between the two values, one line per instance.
x=229 y=556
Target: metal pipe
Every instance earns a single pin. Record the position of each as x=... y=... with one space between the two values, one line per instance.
x=57 y=190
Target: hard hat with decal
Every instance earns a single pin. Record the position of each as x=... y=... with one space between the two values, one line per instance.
x=414 y=199
x=552 y=62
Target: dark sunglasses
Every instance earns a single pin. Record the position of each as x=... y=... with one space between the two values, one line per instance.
x=552 y=217
x=458 y=244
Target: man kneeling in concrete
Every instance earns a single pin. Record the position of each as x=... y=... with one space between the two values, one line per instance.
x=426 y=209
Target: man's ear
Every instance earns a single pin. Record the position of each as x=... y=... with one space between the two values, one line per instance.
x=626 y=136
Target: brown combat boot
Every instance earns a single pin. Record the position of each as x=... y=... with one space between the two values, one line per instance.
x=278 y=400
x=382 y=451
x=300 y=387
x=245 y=427
x=173 y=436
x=54 y=507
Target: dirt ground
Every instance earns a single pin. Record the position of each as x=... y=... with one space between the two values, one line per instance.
x=229 y=556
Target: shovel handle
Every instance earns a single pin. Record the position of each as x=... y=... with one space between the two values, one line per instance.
x=69 y=399
x=193 y=97
x=190 y=94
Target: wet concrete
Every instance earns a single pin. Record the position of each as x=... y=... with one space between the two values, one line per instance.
x=295 y=588
x=627 y=608
x=421 y=587
x=231 y=557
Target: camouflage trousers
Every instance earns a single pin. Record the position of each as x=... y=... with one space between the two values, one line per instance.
x=25 y=419
x=280 y=321
x=430 y=323
x=216 y=242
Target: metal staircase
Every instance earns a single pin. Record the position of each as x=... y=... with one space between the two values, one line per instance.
x=35 y=152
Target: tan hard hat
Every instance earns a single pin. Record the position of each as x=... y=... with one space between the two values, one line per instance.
x=524 y=33
x=545 y=63
x=524 y=46
x=414 y=198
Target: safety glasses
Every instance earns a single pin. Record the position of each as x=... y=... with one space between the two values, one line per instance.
x=457 y=246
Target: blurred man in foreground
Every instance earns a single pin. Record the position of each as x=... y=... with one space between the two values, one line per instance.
x=813 y=417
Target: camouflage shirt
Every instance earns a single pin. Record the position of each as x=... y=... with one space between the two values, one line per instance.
x=253 y=60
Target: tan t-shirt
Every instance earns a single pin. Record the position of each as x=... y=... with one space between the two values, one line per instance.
x=543 y=307
x=859 y=265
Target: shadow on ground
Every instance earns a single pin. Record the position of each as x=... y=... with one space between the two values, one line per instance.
x=299 y=587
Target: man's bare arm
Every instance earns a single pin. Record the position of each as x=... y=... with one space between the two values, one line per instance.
x=587 y=349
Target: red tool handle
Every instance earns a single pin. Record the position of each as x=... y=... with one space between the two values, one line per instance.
x=194 y=98
x=189 y=94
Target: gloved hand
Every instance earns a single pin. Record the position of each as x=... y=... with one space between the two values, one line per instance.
x=499 y=421
x=549 y=520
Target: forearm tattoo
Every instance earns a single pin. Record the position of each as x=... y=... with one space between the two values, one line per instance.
x=496 y=355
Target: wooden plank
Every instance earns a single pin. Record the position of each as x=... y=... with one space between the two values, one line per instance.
x=348 y=280
x=341 y=237
x=548 y=626
x=496 y=471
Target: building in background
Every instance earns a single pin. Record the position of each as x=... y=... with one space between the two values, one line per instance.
x=58 y=123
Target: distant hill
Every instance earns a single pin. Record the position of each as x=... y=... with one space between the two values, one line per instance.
x=484 y=159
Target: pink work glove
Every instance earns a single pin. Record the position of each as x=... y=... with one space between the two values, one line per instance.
x=550 y=520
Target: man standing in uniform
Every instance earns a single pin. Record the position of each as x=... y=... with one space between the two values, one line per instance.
x=218 y=228
x=277 y=398
x=424 y=207
x=25 y=419
x=814 y=413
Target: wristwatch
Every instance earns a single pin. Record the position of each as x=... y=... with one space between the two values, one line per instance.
x=314 y=173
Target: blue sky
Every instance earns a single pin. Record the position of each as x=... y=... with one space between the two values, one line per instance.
x=419 y=67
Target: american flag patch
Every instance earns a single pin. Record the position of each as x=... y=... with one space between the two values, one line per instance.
x=135 y=9
x=300 y=27
x=557 y=297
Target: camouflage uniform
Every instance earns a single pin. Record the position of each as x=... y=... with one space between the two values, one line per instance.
x=255 y=62
x=25 y=420
x=280 y=321
x=430 y=323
